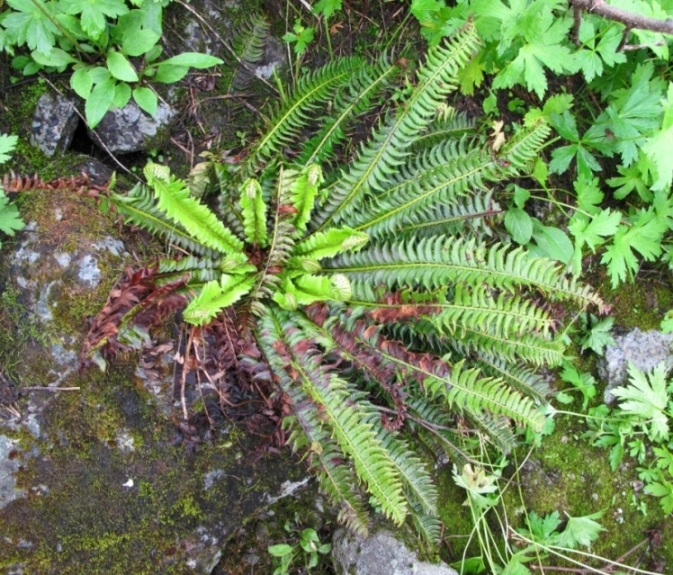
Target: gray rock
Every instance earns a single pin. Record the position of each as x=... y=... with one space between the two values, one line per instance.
x=379 y=554
x=54 y=123
x=129 y=129
x=9 y=465
x=92 y=479
x=644 y=349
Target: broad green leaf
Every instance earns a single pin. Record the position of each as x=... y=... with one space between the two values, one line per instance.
x=646 y=398
x=192 y=60
x=99 y=102
x=168 y=73
x=552 y=243
x=140 y=43
x=146 y=99
x=659 y=147
x=120 y=67
x=82 y=82
x=327 y=7
x=519 y=224
x=122 y=94
x=57 y=58
x=280 y=550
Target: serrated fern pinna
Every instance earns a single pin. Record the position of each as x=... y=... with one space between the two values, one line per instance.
x=369 y=293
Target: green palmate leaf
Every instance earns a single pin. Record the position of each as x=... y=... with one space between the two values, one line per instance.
x=99 y=102
x=327 y=7
x=646 y=399
x=215 y=296
x=94 y=12
x=659 y=147
x=643 y=236
x=31 y=25
x=146 y=99
x=253 y=210
x=120 y=67
x=580 y=531
x=10 y=220
x=173 y=199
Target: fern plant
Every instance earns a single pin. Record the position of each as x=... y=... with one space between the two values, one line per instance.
x=370 y=294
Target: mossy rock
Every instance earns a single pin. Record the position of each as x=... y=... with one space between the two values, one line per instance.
x=94 y=479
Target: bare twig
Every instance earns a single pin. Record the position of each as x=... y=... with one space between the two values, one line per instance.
x=629 y=19
x=54 y=389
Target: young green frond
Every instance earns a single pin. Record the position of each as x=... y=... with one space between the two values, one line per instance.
x=215 y=296
x=173 y=199
x=253 y=210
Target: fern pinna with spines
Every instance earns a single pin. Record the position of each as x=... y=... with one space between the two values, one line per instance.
x=368 y=293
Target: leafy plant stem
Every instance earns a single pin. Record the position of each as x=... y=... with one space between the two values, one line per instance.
x=329 y=38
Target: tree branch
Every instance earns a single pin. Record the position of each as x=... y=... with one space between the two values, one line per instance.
x=629 y=19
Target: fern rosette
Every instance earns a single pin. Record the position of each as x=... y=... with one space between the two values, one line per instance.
x=369 y=295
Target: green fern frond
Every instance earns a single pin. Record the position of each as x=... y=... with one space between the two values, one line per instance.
x=360 y=97
x=139 y=208
x=310 y=94
x=387 y=149
x=465 y=215
x=450 y=125
x=309 y=434
x=355 y=437
x=429 y=527
x=438 y=261
x=199 y=221
x=250 y=41
x=468 y=388
x=498 y=430
x=417 y=481
x=525 y=379
x=445 y=177
x=215 y=295
x=253 y=210
x=200 y=269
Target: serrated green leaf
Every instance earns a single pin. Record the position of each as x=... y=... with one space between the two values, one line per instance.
x=580 y=531
x=94 y=12
x=31 y=25
x=646 y=398
x=10 y=220
x=7 y=145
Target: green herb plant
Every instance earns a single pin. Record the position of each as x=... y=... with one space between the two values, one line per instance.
x=638 y=427
x=10 y=220
x=616 y=133
x=308 y=546
x=371 y=293
x=112 y=48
